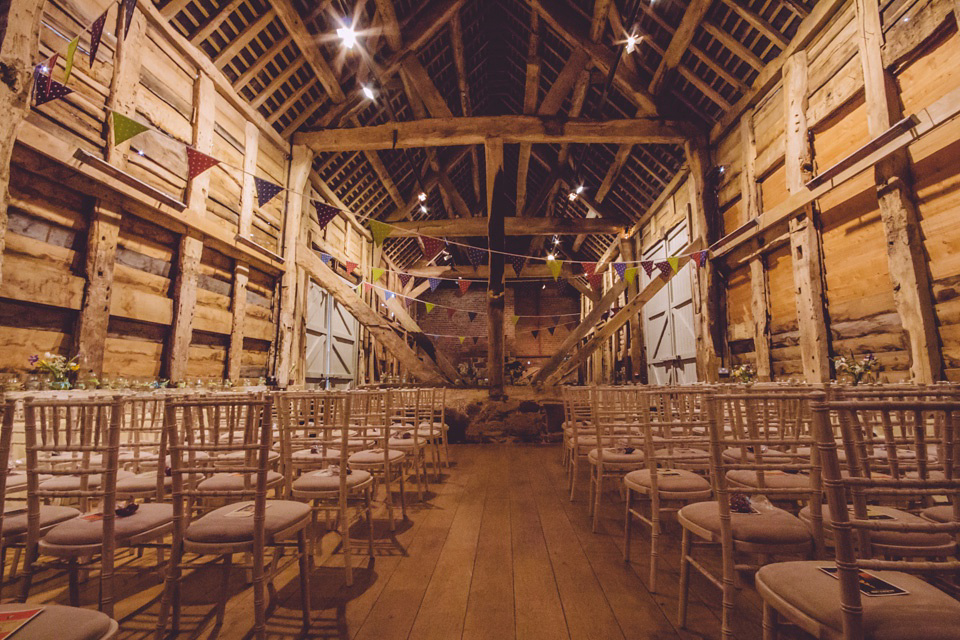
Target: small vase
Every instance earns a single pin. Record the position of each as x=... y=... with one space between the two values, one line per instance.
x=59 y=385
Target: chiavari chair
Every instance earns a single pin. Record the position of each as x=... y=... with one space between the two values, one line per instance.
x=406 y=435
x=619 y=441
x=578 y=434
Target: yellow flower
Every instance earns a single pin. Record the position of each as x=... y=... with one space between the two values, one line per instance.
x=74 y=366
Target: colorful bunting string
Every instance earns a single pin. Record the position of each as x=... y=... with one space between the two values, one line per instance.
x=325 y=213
x=556 y=266
x=620 y=268
x=68 y=61
x=125 y=128
x=434 y=283
x=50 y=90
x=674 y=263
x=198 y=162
x=96 y=33
x=376 y=273
x=464 y=285
x=266 y=190
x=429 y=306
x=379 y=230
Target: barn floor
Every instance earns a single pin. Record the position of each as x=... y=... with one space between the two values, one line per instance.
x=496 y=551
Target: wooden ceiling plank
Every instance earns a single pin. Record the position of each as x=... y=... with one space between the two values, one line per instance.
x=466 y=107
x=172 y=8
x=306 y=42
x=261 y=62
x=391 y=28
x=704 y=87
x=291 y=100
x=275 y=84
x=568 y=76
x=682 y=37
x=759 y=23
x=214 y=21
x=733 y=45
x=244 y=37
x=531 y=90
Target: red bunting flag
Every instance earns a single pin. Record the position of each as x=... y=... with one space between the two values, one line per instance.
x=450 y=312
x=666 y=269
x=350 y=266
x=44 y=72
x=198 y=162
x=404 y=278
x=431 y=247
x=464 y=285
x=648 y=267
x=596 y=281
x=96 y=32
x=325 y=213
x=700 y=258
x=589 y=268
x=367 y=286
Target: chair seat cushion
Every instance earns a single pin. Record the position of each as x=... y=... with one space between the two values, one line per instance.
x=939 y=513
x=404 y=443
x=141 y=483
x=437 y=426
x=15 y=520
x=924 y=613
x=771 y=526
x=767 y=455
x=672 y=483
x=240 y=456
x=307 y=455
x=617 y=456
x=891 y=538
x=682 y=453
x=219 y=527
x=89 y=530
x=773 y=479
x=325 y=481
x=375 y=456
x=234 y=481
x=72 y=483
x=64 y=623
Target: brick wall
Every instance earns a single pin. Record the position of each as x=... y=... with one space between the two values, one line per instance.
x=522 y=298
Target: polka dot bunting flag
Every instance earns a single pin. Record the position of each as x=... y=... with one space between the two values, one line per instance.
x=434 y=283
x=49 y=90
x=325 y=213
x=266 y=190
x=125 y=128
x=198 y=162
x=96 y=32
x=518 y=263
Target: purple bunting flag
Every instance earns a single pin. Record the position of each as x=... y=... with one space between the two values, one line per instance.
x=472 y=315
x=96 y=33
x=129 y=6
x=325 y=258
x=389 y=295
x=49 y=90
x=431 y=247
x=551 y=330
x=700 y=257
x=476 y=256
x=434 y=283
x=596 y=281
x=476 y=339
x=404 y=278
x=620 y=268
x=266 y=190
x=325 y=213
x=535 y=333
x=518 y=263
x=648 y=267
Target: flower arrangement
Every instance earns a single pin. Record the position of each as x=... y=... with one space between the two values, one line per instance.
x=743 y=373
x=57 y=367
x=866 y=367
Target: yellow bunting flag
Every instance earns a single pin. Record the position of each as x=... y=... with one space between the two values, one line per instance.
x=462 y=339
x=429 y=306
x=674 y=264
x=125 y=128
x=379 y=230
x=377 y=273
x=556 y=266
x=514 y=320
x=630 y=275
x=71 y=51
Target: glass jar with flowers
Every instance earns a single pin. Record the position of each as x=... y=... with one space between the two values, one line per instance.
x=743 y=373
x=866 y=368
x=57 y=369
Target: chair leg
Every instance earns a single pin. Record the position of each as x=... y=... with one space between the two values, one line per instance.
x=304 y=577
x=345 y=541
x=771 y=622
x=627 y=529
x=684 y=579
x=573 y=474
x=259 y=601
x=73 y=577
x=29 y=560
x=596 y=500
x=225 y=570
x=403 y=498
x=369 y=521
x=654 y=543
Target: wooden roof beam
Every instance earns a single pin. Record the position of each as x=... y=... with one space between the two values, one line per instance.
x=531 y=90
x=734 y=45
x=434 y=132
x=466 y=107
x=759 y=23
x=306 y=42
x=681 y=40
x=512 y=227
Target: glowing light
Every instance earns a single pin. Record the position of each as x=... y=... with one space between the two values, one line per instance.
x=44 y=69
x=580 y=189
x=550 y=256
x=632 y=43
x=422 y=197
x=544 y=287
x=368 y=92
x=572 y=196
x=348 y=37
x=423 y=208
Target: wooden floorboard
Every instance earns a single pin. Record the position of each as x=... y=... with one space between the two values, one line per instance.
x=495 y=551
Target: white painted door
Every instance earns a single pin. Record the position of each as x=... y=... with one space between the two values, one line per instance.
x=668 y=317
x=331 y=345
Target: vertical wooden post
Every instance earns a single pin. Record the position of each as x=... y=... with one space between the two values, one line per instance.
x=630 y=251
x=241 y=270
x=104 y=227
x=906 y=258
x=804 y=235
x=752 y=207
x=19 y=39
x=706 y=298
x=300 y=165
x=191 y=247
x=493 y=149
x=248 y=193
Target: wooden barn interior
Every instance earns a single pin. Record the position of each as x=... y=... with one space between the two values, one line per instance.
x=480 y=319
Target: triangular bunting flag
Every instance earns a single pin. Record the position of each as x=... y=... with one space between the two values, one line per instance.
x=620 y=268
x=450 y=312
x=376 y=273
x=464 y=285
x=325 y=213
x=631 y=275
x=476 y=339
x=379 y=230
x=266 y=190
x=49 y=90
x=125 y=128
x=518 y=262
x=96 y=32
x=551 y=330
x=556 y=266
x=431 y=247
x=68 y=61
x=476 y=256
x=51 y=65
x=367 y=286
x=596 y=281
x=665 y=269
x=472 y=315
x=407 y=301
x=647 y=266
x=589 y=268
x=535 y=333
x=674 y=263
x=429 y=306
x=198 y=162
x=514 y=319
x=462 y=339
x=350 y=266
x=389 y=295
x=434 y=283
x=700 y=257
x=325 y=258
x=404 y=278
x=555 y=319
x=129 y=6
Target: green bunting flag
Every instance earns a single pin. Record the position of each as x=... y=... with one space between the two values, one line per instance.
x=429 y=306
x=71 y=52
x=630 y=275
x=674 y=264
x=377 y=273
x=125 y=128
x=514 y=320
x=556 y=266
x=379 y=230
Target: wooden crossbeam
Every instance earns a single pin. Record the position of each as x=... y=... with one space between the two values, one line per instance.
x=243 y=38
x=438 y=132
x=530 y=272
x=759 y=23
x=692 y=17
x=469 y=227
x=307 y=44
x=531 y=89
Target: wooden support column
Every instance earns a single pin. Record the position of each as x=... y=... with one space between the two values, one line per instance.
x=104 y=227
x=19 y=39
x=496 y=205
x=759 y=287
x=906 y=257
x=637 y=351
x=804 y=234
x=707 y=318
x=241 y=270
x=191 y=246
x=300 y=165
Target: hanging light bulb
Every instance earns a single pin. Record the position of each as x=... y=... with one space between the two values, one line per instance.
x=550 y=256
x=422 y=197
x=423 y=208
x=348 y=37
x=368 y=92
x=632 y=41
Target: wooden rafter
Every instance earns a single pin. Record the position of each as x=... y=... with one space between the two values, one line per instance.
x=531 y=90
x=759 y=23
x=692 y=17
x=514 y=226
x=307 y=44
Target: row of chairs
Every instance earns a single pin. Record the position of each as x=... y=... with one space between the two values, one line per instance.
x=190 y=475
x=844 y=479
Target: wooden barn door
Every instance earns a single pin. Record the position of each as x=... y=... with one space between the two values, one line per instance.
x=668 y=317
x=331 y=341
